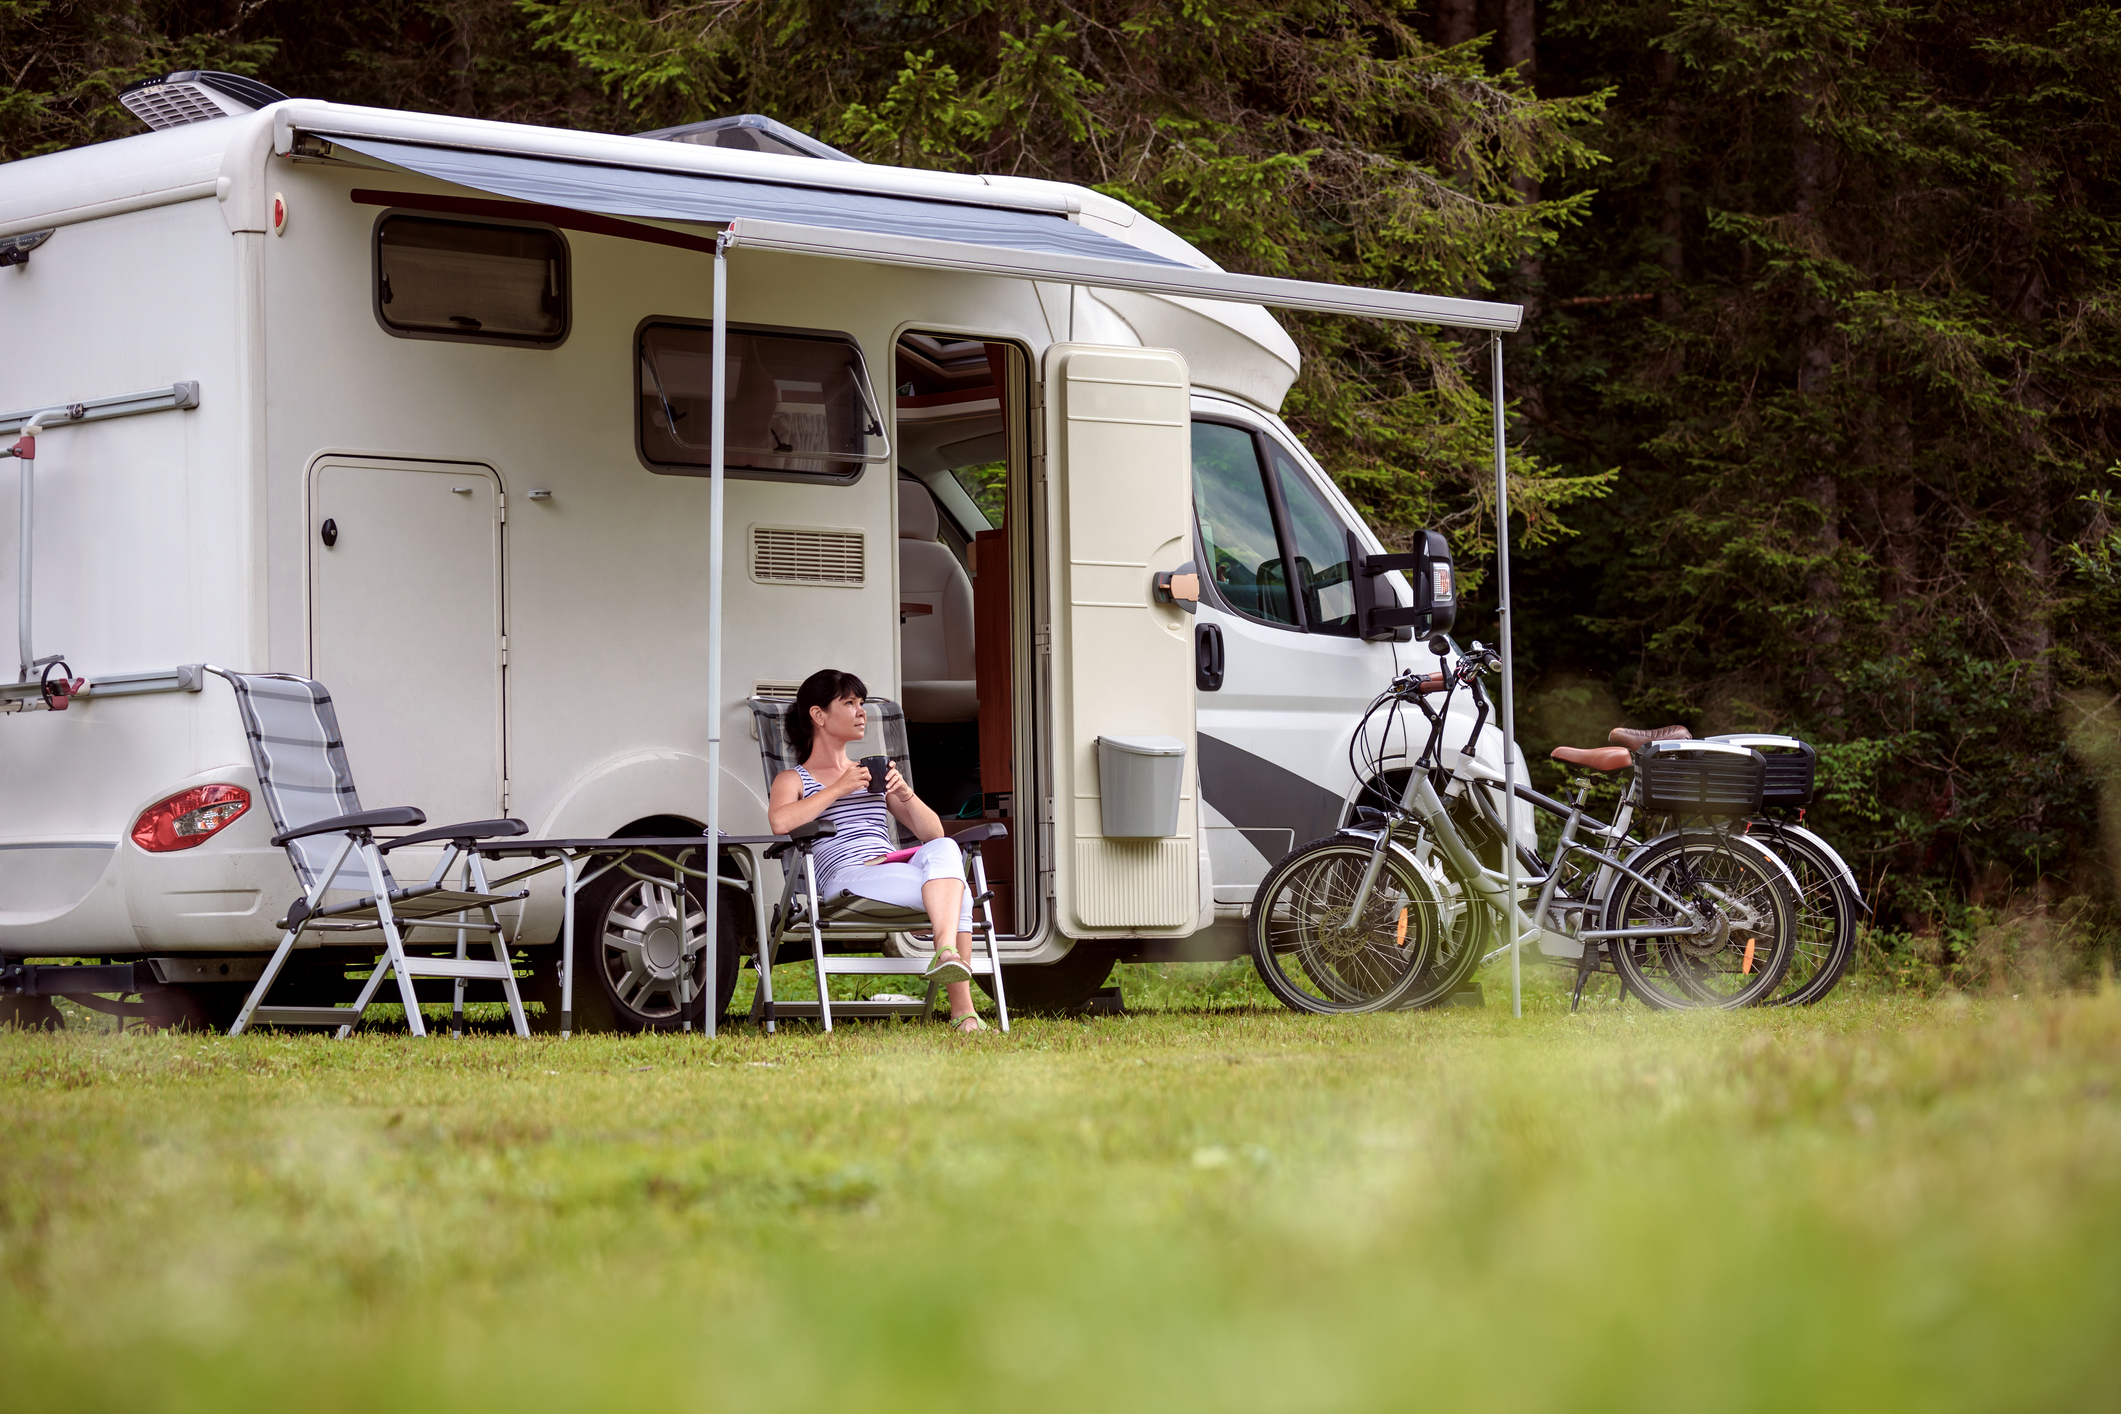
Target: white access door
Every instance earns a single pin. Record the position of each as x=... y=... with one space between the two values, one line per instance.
x=1119 y=511
x=406 y=630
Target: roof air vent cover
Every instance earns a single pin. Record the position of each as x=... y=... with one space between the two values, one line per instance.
x=195 y=96
x=750 y=132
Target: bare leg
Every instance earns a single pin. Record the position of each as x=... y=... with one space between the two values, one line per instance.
x=943 y=898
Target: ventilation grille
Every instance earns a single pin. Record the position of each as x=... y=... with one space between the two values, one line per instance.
x=774 y=689
x=795 y=555
x=174 y=105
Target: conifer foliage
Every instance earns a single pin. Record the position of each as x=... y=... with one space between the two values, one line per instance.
x=1814 y=422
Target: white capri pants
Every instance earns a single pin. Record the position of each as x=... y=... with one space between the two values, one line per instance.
x=901 y=883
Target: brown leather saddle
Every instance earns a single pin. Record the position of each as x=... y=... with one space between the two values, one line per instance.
x=1626 y=741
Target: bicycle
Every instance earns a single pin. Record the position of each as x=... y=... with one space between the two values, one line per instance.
x=1391 y=911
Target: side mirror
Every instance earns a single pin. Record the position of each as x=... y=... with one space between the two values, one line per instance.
x=1431 y=573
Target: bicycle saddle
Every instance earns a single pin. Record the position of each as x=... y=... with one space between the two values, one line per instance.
x=1635 y=738
x=1598 y=758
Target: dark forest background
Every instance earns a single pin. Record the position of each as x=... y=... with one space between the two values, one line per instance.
x=1813 y=419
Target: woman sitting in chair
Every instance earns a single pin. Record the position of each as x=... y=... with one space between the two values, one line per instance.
x=827 y=717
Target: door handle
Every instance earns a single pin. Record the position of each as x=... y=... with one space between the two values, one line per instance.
x=1208 y=657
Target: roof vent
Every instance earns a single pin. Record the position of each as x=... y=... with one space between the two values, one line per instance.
x=750 y=132
x=195 y=96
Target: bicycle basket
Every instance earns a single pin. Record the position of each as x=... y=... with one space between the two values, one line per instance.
x=1700 y=778
x=1791 y=765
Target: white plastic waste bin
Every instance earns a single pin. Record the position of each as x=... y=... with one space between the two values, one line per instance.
x=1138 y=781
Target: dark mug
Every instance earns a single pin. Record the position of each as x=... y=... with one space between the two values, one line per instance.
x=878 y=768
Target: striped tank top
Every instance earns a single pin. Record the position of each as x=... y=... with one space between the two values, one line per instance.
x=864 y=833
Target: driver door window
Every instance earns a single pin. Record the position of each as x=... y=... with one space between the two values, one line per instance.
x=1244 y=556
x=1320 y=543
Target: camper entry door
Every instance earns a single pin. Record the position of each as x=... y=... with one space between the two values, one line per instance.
x=406 y=629
x=1118 y=473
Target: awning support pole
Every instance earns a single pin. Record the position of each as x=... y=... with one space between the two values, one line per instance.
x=1515 y=916
x=716 y=426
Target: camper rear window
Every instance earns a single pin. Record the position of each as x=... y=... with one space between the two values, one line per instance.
x=471 y=281
x=798 y=405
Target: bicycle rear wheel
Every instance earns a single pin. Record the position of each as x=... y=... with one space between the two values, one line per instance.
x=1739 y=906
x=1827 y=905
x=1315 y=957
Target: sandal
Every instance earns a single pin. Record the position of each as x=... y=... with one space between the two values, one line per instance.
x=947 y=969
x=968 y=1023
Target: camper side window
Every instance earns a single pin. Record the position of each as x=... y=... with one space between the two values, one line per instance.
x=471 y=281
x=796 y=406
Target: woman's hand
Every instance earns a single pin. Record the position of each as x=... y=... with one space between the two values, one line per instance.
x=852 y=781
x=909 y=809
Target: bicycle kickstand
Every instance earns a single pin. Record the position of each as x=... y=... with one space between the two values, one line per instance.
x=1585 y=966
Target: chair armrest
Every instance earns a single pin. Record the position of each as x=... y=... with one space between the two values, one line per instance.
x=804 y=837
x=980 y=834
x=466 y=832
x=395 y=817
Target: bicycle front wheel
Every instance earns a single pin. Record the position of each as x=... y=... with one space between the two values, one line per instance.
x=1731 y=914
x=1317 y=954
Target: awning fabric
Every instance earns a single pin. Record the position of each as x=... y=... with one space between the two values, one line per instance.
x=903 y=230
x=687 y=196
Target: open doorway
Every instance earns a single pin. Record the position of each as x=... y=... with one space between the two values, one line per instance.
x=962 y=449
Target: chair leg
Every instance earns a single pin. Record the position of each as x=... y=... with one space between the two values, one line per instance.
x=764 y=934
x=456 y=999
x=994 y=950
x=394 y=947
x=271 y=974
x=509 y=989
x=817 y=945
x=266 y=978
x=367 y=994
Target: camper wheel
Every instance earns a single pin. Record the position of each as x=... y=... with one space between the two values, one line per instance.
x=640 y=953
x=30 y=1014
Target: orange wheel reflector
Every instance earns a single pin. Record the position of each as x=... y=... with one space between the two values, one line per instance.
x=1748 y=968
x=1399 y=939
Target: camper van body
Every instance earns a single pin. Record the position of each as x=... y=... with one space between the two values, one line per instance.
x=512 y=612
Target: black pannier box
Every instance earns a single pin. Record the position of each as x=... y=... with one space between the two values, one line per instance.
x=1791 y=766
x=1700 y=778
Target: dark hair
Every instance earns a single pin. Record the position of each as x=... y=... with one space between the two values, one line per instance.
x=821 y=689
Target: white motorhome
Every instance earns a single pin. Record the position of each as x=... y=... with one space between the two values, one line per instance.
x=417 y=407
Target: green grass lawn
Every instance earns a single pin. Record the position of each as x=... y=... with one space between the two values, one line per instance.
x=1878 y=1203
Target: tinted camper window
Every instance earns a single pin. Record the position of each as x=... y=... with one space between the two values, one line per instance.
x=798 y=406
x=471 y=281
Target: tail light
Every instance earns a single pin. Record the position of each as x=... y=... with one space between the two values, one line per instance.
x=189 y=818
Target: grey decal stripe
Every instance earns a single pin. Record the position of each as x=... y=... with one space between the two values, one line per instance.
x=1253 y=792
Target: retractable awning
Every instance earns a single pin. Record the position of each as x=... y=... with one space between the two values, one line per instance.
x=885 y=229
x=859 y=219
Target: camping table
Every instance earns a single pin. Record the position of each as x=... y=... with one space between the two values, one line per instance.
x=584 y=861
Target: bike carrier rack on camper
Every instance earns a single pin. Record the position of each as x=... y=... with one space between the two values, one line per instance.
x=36 y=689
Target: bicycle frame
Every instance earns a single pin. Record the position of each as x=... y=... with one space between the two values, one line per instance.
x=1422 y=805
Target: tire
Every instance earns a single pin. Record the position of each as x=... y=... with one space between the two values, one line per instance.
x=1463 y=933
x=1312 y=960
x=640 y=956
x=186 y=1008
x=31 y=1014
x=1055 y=988
x=1733 y=884
x=1827 y=905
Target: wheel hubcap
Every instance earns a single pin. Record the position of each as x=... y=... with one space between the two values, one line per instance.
x=652 y=939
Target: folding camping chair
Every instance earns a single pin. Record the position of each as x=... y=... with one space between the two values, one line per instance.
x=309 y=790
x=849 y=922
